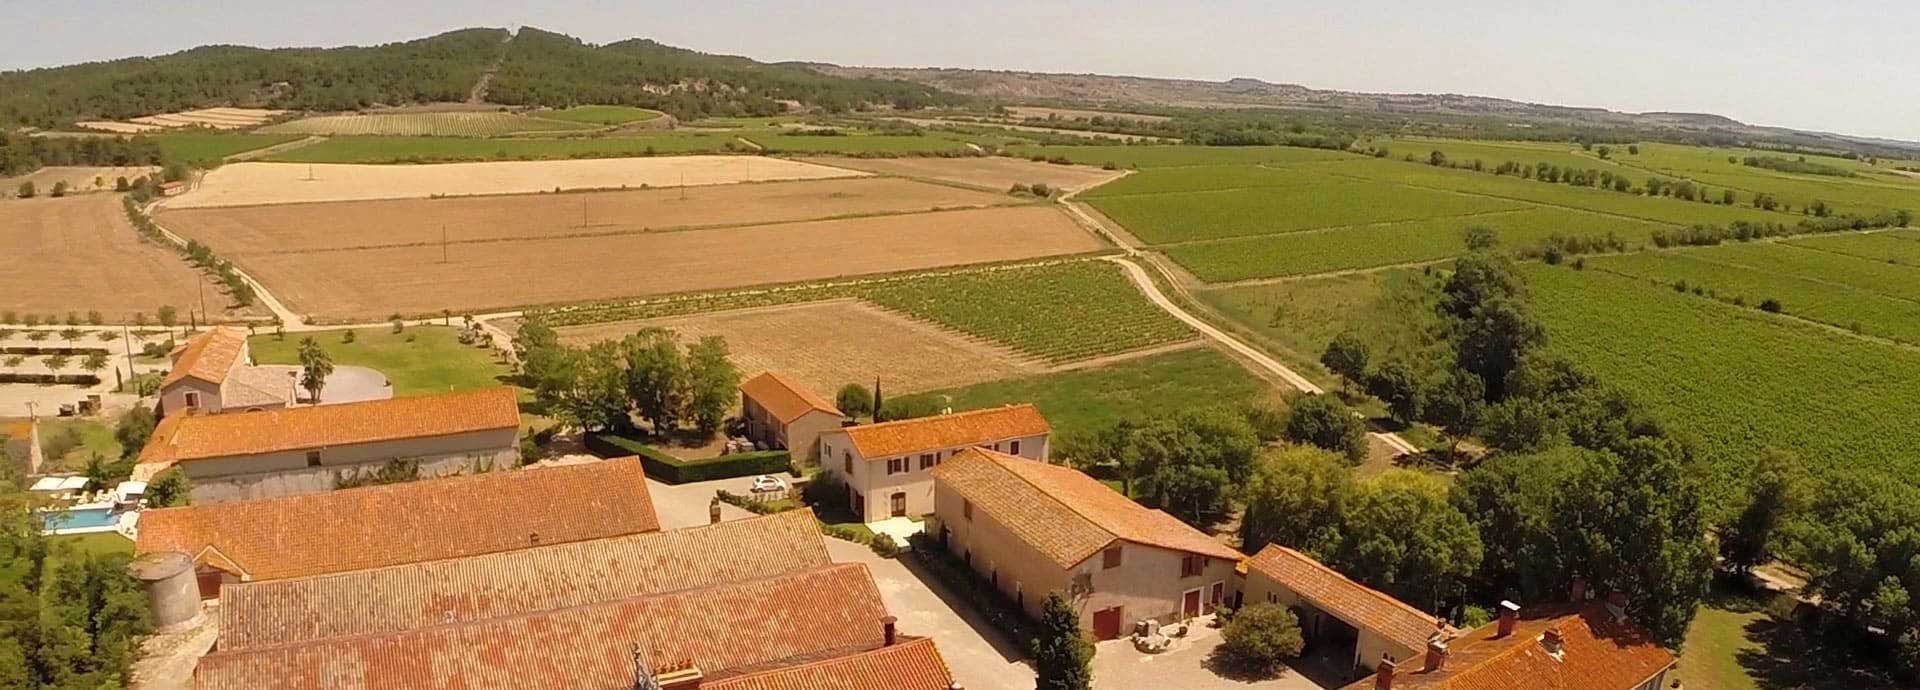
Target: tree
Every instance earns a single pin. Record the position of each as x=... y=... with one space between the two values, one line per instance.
x=27 y=190
x=1189 y=461
x=854 y=400
x=656 y=378
x=1437 y=159
x=94 y=362
x=1633 y=149
x=1605 y=152
x=99 y=475
x=1293 y=499
x=1780 y=491
x=168 y=315
x=1479 y=237
x=171 y=489
x=1397 y=385
x=120 y=184
x=1111 y=447
x=59 y=189
x=315 y=366
x=1324 y=421
x=1062 y=655
x=1346 y=355
x=133 y=430
x=1400 y=534
x=1262 y=637
x=712 y=382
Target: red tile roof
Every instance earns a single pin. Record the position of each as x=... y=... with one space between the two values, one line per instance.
x=909 y=665
x=784 y=399
x=208 y=356
x=727 y=630
x=1598 y=652
x=1357 y=604
x=183 y=438
x=947 y=431
x=430 y=519
x=420 y=595
x=1065 y=514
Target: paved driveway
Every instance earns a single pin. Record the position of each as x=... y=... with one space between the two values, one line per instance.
x=978 y=656
x=1117 y=666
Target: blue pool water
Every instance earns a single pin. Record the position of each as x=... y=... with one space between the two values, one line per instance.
x=83 y=518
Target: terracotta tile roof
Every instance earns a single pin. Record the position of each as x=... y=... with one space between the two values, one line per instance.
x=727 y=630
x=1065 y=514
x=253 y=386
x=1598 y=652
x=910 y=665
x=784 y=399
x=208 y=356
x=421 y=595
x=430 y=519
x=1359 y=605
x=199 y=437
x=947 y=431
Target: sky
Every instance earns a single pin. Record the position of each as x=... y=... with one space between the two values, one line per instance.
x=1848 y=66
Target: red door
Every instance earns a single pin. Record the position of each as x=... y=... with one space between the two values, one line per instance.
x=1190 y=604
x=210 y=583
x=1106 y=624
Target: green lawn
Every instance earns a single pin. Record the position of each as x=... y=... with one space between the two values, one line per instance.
x=1737 y=643
x=372 y=149
x=94 y=435
x=602 y=114
x=423 y=359
x=206 y=150
x=1095 y=398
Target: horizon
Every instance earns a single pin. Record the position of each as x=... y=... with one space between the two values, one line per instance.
x=1811 y=88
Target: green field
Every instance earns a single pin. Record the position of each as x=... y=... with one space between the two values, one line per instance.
x=1205 y=178
x=1871 y=192
x=1295 y=319
x=602 y=114
x=1738 y=379
x=1492 y=153
x=1894 y=246
x=1658 y=209
x=1092 y=399
x=1143 y=157
x=440 y=149
x=1325 y=203
x=92 y=434
x=420 y=360
x=1057 y=312
x=207 y=150
x=445 y=124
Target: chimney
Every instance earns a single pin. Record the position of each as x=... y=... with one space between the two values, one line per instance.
x=713 y=511
x=1617 y=605
x=1579 y=589
x=1552 y=642
x=1383 y=673
x=887 y=629
x=1436 y=655
x=1509 y=616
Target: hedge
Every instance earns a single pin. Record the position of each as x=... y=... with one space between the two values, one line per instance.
x=672 y=470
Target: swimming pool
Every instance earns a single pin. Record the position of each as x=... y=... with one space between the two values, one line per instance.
x=73 y=519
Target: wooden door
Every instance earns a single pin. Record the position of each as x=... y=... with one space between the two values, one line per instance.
x=1106 y=623
x=1218 y=595
x=210 y=583
x=1190 y=604
x=899 y=505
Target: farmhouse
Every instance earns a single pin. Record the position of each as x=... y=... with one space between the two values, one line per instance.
x=1032 y=528
x=1586 y=645
x=213 y=373
x=887 y=466
x=822 y=628
x=1336 y=610
x=409 y=522
x=782 y=414
x=303 y=450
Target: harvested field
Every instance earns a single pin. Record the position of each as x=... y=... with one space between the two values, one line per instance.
x=79 y=254
x=244 y=184
x=216 y=118
x=116 y=127
x=372 y=283
x=993 y=172
x=907 y=355
x=240 y=231
x=453 y=124
x=79 y=179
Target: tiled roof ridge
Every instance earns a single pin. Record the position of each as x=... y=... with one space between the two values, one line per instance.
x=999 y=460
x=1311 y=561
x=170 y=442
x=806 y=395
x=263 y=649
x=396 y=487
x=905 y=642
x=949 y=416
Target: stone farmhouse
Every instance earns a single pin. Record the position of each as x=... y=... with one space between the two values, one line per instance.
x=1032 y=528
x=213 y=373
x=888 y=466
x=395 y=524
x=1579 y=644
x=1334 y=609
x=782 y=414
x=302 y=450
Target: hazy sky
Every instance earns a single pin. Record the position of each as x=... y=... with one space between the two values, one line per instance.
x=1849 y=66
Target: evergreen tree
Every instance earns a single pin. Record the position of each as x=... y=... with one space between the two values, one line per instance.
x=1062 y=655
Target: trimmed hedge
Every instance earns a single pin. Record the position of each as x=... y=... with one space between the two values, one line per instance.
x=672 y=470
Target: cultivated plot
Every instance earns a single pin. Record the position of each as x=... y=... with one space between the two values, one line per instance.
x=456 y=124
x=243 y=184
x=1144 y=157
x=1330 y=202
x=995 y=173
x=245 y=230
x=457 y=149
x=80 y=254
x=905 y=354
x=424 y=279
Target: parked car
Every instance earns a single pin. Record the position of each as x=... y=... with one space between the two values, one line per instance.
x=768 y=483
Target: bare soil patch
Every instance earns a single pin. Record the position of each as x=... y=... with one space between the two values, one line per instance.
x=867 y=342
x=997 y=173
x=237 y=231
x=79 y=179
x=372 y=283
x=79 y=254
x=242 y=184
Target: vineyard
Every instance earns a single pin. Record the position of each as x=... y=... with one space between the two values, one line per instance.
x=1205 y=178
x=1057 y=313
x=1144 y=157
x=1873 y=191
x=1097 y=398
x=1894 y=247
x=1740 y=380
x=1331 y=202
x=603 y=114
x=454 y=124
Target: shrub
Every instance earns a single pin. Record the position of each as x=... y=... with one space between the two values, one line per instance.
x=884 y=546
x=1019 y=189
x=1262 y=637
x=1041 y=189
x=347 y=337
x=854 y=400
x=667 y=468
x=1770 y=305
x=1324 y=421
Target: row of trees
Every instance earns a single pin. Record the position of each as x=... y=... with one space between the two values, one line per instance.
x=647 y=374
x=21 y=154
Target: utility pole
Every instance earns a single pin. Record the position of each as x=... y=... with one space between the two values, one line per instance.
x=203 y=294
x=126 y=339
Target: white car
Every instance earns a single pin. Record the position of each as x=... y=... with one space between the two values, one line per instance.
x=768 y=483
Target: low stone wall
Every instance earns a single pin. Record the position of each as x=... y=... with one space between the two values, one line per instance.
x=321 y=479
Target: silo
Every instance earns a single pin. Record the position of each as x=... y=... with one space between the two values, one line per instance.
x=172 y=592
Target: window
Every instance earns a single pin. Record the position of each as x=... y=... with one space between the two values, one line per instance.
x=313 y=458
x=926 y=460
x=1110 y=559
x=1191 y=566
x=896 y=465
x=848 y=459
x=966 y=508
x=1016 y=447
x=193 y=400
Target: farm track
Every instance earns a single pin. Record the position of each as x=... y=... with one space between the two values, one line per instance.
x=274 y=149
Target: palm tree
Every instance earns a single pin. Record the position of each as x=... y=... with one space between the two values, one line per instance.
x=315 y=366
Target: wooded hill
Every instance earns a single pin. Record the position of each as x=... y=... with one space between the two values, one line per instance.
x=538 y=68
